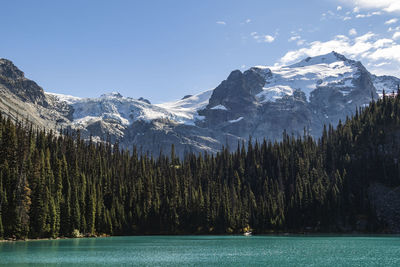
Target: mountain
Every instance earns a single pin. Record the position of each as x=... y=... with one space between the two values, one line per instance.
x=260 y=102
x=347 y=181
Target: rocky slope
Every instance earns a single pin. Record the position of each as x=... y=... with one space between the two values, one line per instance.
x=261 y=102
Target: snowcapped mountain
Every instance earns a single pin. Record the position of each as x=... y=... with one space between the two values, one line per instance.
x=261 y=102
x=331 y=70
x=126 y=110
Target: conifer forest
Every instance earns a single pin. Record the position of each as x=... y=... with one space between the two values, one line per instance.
x=57 y=184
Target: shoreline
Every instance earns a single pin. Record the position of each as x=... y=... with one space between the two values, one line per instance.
x=49 y=238
x=358 y=234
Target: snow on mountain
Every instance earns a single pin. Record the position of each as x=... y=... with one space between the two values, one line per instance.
x=272 y=93
x=387 y=83
x=329 y=58
x=237 y=120
x=331 y=70
x=221 y=107
x=126 y=110
x=69 y=99
x=260 y=102
x=185 y=110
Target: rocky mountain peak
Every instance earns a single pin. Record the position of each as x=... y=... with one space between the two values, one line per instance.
x=14 y=80
x=144 y=100
x=112 y=95
x=234 y=75
x=238 y=90
x=186 y=96
x=9 y=70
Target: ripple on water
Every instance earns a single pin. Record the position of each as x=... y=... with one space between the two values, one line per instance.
x=207 y=250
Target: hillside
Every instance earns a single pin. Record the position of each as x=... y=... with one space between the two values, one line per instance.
x=54 y=186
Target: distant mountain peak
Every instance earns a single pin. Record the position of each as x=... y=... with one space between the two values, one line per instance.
x=113 y=94
x=144 y=100
x=321 y=59
x=9 y=70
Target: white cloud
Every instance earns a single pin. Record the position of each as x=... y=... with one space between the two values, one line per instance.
x=221 y=22
x=301 y=42
x=353 y=32
x=387 y=53
x=268 y=38
x=339 y=8
x=385 y=5
x=294 y=38
x=261 y=38
x=394 y=29
x=248 y=20
x=339 y=15
x=356 y=9
x=379 y=64
x=376 y=13
x=297 y=38
x=368 y=48
x=383 y=43
x=391 y=21
x=396 y=36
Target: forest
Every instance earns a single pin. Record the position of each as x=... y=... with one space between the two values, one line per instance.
x=59 y=185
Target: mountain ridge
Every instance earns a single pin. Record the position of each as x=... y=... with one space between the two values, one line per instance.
x=261 y=102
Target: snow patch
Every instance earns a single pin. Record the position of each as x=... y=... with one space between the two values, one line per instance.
x=271 y=94
x=220 y=107
x=69 y=99
x=237 y=120
x=185 y=110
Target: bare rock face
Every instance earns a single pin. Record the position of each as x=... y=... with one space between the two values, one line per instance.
x=261 y=102
x=14 y=80
x=238 y=91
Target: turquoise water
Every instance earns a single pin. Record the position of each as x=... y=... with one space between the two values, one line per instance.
x=205 y=251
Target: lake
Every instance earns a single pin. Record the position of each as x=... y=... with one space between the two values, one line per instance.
x=206 y=251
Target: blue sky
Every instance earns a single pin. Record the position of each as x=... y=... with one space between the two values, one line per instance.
x=163 y=50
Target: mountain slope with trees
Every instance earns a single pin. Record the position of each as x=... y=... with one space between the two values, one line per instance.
x=260 y=102
x=55 y=185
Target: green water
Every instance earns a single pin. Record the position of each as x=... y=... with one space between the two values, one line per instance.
x=206 y=251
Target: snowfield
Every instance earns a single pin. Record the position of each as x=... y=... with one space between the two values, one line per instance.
x=126 y=110
x=310 y=73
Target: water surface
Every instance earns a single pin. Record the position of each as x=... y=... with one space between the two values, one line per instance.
x=206 y=251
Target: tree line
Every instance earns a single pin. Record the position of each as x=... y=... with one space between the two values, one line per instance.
x=54 y=185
